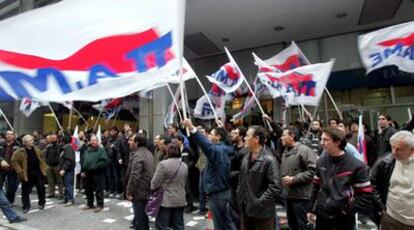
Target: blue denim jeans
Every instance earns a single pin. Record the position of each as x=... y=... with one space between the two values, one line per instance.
x=170 y=218
x=6 y=207
x=11 y=185
x=68 y=183
x=140 y=217
x=219 y=204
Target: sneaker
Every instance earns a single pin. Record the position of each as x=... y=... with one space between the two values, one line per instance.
x=41 y=207
x=98 y=209
x=70 y=203
x=18 y=219
x=26 y=210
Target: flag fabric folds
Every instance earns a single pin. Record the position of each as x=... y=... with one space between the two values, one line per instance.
x=393 y=45
x=303 y=85
x=227 y=78
x=89 y=57
x=29 y=105
x=361 y=144
x=75 y=143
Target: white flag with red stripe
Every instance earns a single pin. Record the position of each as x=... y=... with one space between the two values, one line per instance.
x=303 y=85
x=393 y=45
x=90 y=50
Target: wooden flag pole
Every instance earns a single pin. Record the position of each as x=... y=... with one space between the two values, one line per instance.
x=54 y=115
x=7 y=120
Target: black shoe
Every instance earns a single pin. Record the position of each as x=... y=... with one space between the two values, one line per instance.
x=190 y=209
x=18 y=219
x=26 y=210
x=41 y=207
x=202 y=213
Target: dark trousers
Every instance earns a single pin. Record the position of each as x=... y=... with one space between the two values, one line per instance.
x=219 y=204
x=389 y=223
x=203 y=195
x=35 y=179
x=94 y=183
x=53 y=179
x=140 y=217
x=296 y=210
x=248 y=223
x=11 y=184
x=113 y=175
x=68 y=182
x=337 y=223
x=189 y=194
x=170 y=218
x=234 y=209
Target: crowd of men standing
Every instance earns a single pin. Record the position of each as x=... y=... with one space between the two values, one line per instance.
x=238 y=173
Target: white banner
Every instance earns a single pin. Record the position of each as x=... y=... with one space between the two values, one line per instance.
x=303 y=85
x=89 y=50
x=393 y=45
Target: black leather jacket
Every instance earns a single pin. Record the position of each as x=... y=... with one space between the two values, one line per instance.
x=259 y=185
x=380 y=177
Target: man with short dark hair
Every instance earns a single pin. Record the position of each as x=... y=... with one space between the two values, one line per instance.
x=333 y=122
x=341 y=185
x=217 y=174
x=9 y=176
x=385 y=132
x=52 y=153
x=313 y=137
x=297 y=171
x=259 y=183
x=138 y=179
x=237 y=137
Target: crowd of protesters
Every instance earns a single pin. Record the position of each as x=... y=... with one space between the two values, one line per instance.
x=237 y=172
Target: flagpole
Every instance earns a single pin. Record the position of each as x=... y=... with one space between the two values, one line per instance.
x=175 y=101
x=208 y=98
x=116 y=117
x=334 y=104
x=306 y=112
x=409 y=114
x=57 y=120
x=97 y=119
x=82 y=117
x=7 y=120
x=248 y=85
x=186 y=103
x=70 y=116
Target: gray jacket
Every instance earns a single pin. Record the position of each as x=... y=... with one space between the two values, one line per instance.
x=174 y=194
x=299 y=162
x=139 y=173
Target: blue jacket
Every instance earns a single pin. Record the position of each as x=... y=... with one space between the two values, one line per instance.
x=216 y=177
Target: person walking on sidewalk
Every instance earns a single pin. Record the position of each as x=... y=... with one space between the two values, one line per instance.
x=31 y=169
x=67 y=170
